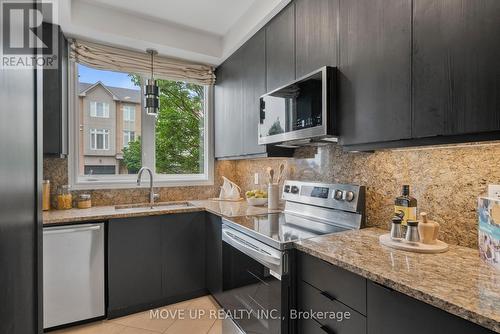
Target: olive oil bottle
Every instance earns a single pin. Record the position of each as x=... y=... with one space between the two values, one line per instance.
x=405 y=206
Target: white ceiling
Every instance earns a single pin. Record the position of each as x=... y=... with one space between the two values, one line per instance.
x=206 y=31
x=206 y=15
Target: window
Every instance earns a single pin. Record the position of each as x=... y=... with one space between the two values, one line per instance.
x=99 y=109
x=179 y=130
x=99 y=139
x=128 y=136
x=129 y=113
x=99 y=170
x=176 y=144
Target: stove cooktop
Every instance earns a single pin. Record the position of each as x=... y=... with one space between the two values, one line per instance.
x=311 y=209
x=280 y=230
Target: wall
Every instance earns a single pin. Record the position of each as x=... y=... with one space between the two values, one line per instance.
x=446 y=181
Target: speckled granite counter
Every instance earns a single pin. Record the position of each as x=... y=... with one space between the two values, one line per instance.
x=232 y=209
x=456 y=281
x=227 y=209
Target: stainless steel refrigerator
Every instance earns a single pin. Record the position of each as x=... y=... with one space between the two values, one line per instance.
x=20 y=185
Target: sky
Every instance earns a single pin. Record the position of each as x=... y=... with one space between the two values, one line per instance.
x=109 y=78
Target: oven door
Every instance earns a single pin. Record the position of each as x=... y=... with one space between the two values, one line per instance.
x=255 y=284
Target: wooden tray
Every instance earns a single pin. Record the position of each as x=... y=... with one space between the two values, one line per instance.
x=438 y=247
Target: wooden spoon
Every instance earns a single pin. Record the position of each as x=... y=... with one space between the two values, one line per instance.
x=281 y=170
x=270 y=171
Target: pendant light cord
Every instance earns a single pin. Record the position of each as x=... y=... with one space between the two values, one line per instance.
x=152 y=65
x=152 y=54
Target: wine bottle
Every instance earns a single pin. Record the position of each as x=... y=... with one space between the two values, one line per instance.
x=405 y=206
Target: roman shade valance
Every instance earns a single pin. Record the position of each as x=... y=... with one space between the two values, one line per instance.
x=117 y=59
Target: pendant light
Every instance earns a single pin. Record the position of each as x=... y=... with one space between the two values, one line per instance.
x=151 y=90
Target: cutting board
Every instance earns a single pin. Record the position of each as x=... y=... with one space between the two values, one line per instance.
x=438 y=247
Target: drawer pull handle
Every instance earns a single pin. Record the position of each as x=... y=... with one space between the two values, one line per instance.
x=327 y=295
x=327 y=329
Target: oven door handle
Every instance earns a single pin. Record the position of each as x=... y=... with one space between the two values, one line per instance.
x=248 y=248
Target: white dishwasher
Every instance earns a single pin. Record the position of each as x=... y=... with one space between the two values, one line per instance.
x=73 y=273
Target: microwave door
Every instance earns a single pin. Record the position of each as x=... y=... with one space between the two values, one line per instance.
x=273 y=116
x=298 y=111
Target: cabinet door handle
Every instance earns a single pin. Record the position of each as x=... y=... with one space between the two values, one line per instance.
x=327 y=329
x=50 y=230
x=327 y=295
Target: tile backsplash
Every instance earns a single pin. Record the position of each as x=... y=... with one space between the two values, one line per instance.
x=446 y=181
x=56 y=170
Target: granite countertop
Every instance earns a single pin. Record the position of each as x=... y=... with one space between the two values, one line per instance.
x=232 y=209
x=221 y=208
x=457 y=281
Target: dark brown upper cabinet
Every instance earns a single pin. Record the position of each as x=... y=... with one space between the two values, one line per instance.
x=280 y=48
x=316 y=35
x=220 y=88
x=410 y=72
x=456 y=67
x=55 y=94
x=375 y=71
x=228 y=108
x=241 y=80
x=254 y=85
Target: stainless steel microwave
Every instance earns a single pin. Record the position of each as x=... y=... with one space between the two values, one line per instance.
x=300 y=112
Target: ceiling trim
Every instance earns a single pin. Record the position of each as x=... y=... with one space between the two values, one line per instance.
x=123 y=28
x=251 y=22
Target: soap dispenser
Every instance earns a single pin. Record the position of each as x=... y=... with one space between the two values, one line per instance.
x=427 y=229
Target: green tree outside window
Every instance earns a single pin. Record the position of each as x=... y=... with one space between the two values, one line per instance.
x=179 y=131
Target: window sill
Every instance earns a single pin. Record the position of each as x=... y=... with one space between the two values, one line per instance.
x=83 y=184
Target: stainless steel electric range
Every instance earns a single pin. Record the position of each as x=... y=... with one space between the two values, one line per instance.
x=257 y=256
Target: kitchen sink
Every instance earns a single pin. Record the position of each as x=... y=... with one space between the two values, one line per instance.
x=156 y=206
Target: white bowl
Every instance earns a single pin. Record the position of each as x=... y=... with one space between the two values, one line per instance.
x=256 y=201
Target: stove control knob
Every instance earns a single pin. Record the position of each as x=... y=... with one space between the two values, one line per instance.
x=287 y=189
x=294 y=190
x=338 y=195
x=349 y=196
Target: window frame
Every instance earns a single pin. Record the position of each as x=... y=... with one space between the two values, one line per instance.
x=106 y=133
x=128 y=107
x=129 y=137
x=93 y=109
x=123 y=181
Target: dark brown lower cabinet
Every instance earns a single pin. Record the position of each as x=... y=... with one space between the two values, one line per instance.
x=391 y=312
x=331 y=315
x=213 y=254
x=311 y=326
x=340 y=284
x=134 y=265
x=155 y=261
x=323 y=288
x=183 y=259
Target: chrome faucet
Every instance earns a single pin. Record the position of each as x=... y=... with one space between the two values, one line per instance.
x=151 y=192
